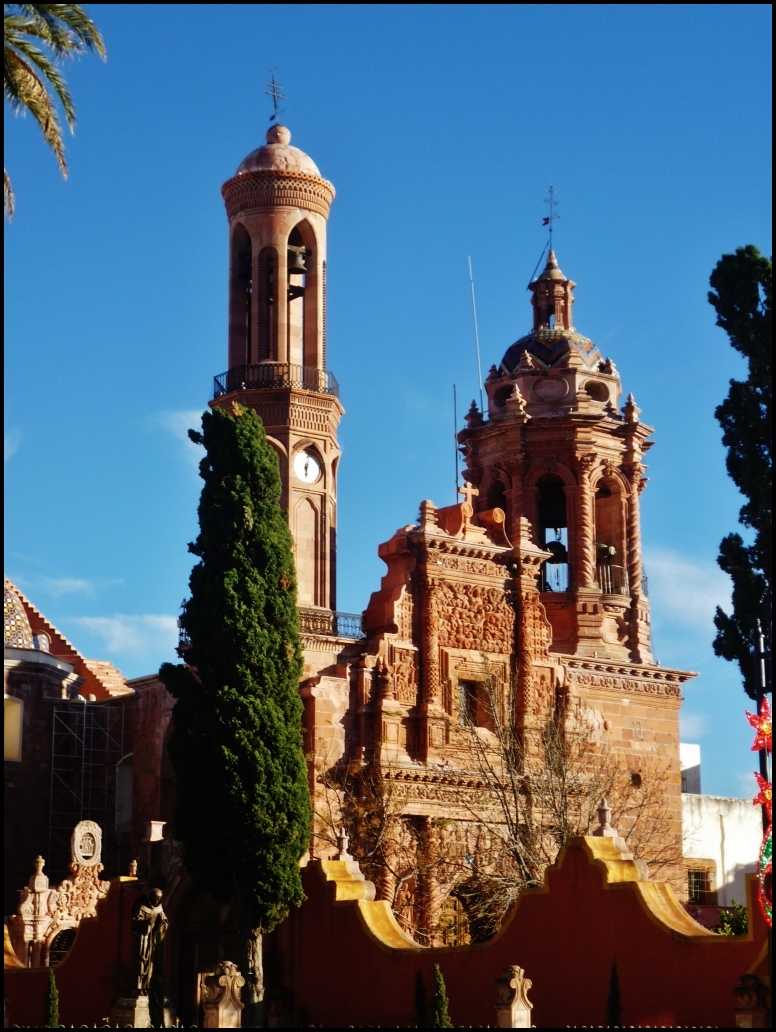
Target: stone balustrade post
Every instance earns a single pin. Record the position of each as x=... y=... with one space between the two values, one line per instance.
x=219 y=996
x=513 y=1009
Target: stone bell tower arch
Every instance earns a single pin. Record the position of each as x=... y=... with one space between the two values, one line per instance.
x=278 y=205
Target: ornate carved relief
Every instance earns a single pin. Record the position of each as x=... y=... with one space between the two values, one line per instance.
x=405 y=675
x=475 y=617
x=589 y=679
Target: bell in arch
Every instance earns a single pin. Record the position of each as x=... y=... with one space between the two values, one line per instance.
x=296 y=257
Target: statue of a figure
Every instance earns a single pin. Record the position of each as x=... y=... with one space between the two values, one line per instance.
x=148 y=919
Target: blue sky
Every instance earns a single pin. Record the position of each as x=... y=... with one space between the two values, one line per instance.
x=441 y=127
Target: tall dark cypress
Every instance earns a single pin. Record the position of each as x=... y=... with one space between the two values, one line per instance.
x=242 y=800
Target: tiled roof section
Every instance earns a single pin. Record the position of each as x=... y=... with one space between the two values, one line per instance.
x=551 y=348
x=17 y=632
x=100 y=678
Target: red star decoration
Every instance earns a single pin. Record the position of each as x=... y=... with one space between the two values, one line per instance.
x=763 y=726
x=765 y=798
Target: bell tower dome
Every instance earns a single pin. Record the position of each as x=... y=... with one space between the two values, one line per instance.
x=278 y=204
x=556 y=450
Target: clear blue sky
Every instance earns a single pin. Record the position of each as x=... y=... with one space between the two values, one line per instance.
x=441 y=127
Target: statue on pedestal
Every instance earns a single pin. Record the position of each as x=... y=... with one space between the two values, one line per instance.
x=148 y=921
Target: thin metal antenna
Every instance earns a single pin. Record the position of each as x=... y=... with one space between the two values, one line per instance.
x=530 y=281
x=476 y=334
x=455 y=437
x=273 y=90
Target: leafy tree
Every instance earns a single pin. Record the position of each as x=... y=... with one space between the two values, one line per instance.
x=733 y=920
x=51 y=1003
x=742 y=298
x=243 y=803
x=37 y=37
x=614 y=1002
x=439 y=1017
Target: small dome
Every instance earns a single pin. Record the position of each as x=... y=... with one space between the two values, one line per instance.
x=552 y=270
x=277 y=154
x=551 y=348
x=17 y=633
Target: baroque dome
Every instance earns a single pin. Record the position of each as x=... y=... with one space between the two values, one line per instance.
x=17 y=633
x=277 y=154
x=551 y=347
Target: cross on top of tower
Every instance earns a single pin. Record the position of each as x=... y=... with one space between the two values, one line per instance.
x=273 y=91
x=468 y=491
x=548 y=220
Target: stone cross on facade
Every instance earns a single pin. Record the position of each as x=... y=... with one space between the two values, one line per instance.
x=468 y=492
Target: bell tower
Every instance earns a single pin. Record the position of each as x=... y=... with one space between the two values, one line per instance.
x=278 y=205
x=557 y=450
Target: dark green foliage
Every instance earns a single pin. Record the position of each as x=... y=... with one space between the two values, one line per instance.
x=243 y=804
x=742 y=297
x=421 y=1004
x=51 y=1003
x=613 y=1002
x=733 y=920
x=156 y=987
x=439 y=1016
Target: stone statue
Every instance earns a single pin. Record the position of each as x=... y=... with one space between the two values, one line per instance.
x=148 y=918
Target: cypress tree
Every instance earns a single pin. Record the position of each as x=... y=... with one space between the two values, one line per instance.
x=439 y=1016
x=742 y=298
x=242 y=800
x=51 y=1003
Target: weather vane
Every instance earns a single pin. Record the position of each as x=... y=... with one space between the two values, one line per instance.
x=549 y=219
x=273 y=90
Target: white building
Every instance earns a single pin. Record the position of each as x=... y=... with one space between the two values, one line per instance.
x=720 y=838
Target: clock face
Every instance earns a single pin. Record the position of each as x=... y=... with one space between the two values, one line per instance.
x=307 y=467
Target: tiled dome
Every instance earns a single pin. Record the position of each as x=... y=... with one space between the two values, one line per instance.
x=278 y=155
x=551 y=347
x=17 y=633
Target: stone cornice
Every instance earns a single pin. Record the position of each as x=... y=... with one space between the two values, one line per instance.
x=629 y=677
x=269 y=188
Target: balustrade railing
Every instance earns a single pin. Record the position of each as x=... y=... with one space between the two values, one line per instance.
x=275 y=375
x=554 y=577
x=331 y=624
x=612 y=580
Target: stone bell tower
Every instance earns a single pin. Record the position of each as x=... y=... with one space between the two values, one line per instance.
x=277 y=205
x=557 y=450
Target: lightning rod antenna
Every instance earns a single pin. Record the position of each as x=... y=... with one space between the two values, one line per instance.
x=455 y=437
x=476 y=334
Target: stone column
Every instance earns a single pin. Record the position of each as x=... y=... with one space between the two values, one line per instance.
x=633 y=471
x=585 y=552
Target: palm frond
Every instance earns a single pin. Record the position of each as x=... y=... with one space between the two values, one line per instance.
x=65 y=27
x=8 y=197
x=27 y=92
x=32 y=55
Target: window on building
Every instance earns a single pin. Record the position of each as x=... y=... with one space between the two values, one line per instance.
x=467 y=702
x=700 y=885
x=12 y=728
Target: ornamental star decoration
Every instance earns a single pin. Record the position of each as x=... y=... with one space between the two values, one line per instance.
x=765 y=797
x=763 y=725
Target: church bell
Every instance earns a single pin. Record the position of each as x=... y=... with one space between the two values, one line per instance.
x=296 y=261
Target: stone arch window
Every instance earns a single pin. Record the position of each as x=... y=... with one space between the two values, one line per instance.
x=496 y=497
x=305 y=314
x=552 y=513
x=42 y=641
x=266 y=319
x=61 y=945
x=240 y=297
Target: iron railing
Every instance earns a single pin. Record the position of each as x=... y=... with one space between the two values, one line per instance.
x=270 y=375
x=555 y=577
x=331 y=624
x=612 y=580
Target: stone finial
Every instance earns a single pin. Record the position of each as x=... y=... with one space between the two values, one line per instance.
x=608 y=367
x=526 y=362
x=513 y=1009
x=631 y=410
x=493 y=374
x=427 y=517
x=343 y=841
x=132 y=869
x=473 y=417
x=516 y=405
x=604 y=829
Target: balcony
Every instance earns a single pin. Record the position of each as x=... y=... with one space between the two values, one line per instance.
x=275 y=375
x=323 y=622
x=612 y=580
x=330 y=624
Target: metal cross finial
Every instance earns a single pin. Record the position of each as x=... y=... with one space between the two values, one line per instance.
x=549 y=219
x=273 y=90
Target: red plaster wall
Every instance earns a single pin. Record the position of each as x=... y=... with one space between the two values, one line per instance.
x=93 y=973
x=565 y=938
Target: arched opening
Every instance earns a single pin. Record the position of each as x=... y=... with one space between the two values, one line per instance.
x=306 y=542
x=297 y=283
x=553 y=533
x=611 y=566
x=240 y=298
x=496 y=497
x=266 y=328
x=124 y=779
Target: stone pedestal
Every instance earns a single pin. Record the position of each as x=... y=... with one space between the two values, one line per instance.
x=131 y=1011
x=219 y=994
x=513 y=1009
